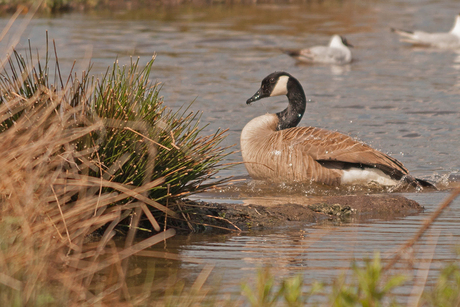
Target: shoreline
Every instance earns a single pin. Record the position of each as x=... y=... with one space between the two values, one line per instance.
x=202 y=216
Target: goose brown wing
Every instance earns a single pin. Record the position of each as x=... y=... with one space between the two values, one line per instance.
x=335 y=150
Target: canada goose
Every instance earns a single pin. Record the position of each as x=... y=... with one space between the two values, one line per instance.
x=336 y=53
x=449 y=39
x=274 y=149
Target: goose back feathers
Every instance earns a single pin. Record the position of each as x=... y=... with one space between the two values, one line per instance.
x=274 y=149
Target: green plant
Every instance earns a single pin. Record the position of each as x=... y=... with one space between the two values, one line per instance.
x=153 y=141
x=367 y=288
x=268 y=293
x=446 y=291
x=264 y=295
x=292 y=290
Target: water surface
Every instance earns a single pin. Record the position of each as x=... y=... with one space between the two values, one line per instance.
x=400 y=99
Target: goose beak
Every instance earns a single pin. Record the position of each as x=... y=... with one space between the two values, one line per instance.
x=256 y=96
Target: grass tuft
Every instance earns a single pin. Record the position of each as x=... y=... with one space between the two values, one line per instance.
x=138 y=139
x=79 y=154
x=152 y=141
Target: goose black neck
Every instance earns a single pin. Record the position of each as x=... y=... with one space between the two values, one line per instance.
x=291 y=116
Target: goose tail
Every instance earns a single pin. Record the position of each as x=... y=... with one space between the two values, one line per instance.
x=418 y=183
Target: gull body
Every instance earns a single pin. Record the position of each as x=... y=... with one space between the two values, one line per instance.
x=337 y=52
x=445 y=40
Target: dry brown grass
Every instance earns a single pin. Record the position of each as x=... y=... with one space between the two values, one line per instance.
x=80 y=156
x=49 y=208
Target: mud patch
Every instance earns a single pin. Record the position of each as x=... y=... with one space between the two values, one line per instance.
x=205 y=216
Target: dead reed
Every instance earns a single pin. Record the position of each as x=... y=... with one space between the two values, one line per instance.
x=49 y=207
x=83 y=154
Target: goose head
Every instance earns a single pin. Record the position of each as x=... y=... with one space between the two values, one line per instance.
x=275 y=84
x=339 y=41
x=282 y=83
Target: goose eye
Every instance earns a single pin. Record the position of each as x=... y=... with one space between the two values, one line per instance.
x=272 y=80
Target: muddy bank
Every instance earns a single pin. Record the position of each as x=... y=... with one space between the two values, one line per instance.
x=204 y=216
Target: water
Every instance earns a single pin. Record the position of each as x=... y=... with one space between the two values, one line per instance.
x=397 y=98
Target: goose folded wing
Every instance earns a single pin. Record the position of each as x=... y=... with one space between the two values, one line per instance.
x=336 y=150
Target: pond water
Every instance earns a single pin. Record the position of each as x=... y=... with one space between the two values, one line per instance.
x=398 y=98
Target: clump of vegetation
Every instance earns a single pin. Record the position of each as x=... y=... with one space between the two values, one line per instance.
x=49 y=207
x=139 y=140
x=154 y=141
x=52 y=6
x=365 y=287
x=83 y=153
x=368 y=286
x=269 y=293
x=446 y=291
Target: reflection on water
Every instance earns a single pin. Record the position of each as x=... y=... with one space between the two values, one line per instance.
x=320 y=252
x=397 y=98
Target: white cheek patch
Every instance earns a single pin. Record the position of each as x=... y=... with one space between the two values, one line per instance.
x=280 y=87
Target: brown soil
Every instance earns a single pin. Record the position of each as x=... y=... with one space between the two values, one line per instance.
x=204 y=216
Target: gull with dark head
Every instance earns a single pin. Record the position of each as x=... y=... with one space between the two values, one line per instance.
x=336 y=53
